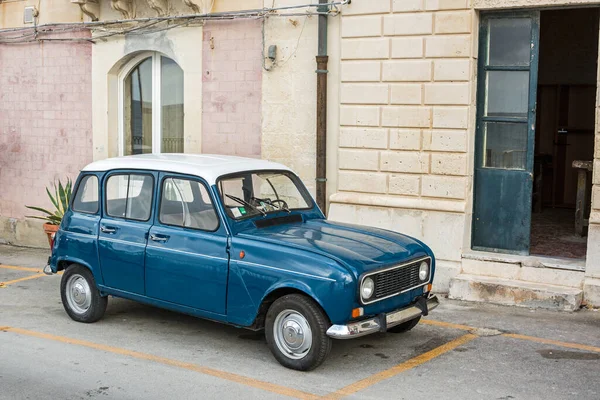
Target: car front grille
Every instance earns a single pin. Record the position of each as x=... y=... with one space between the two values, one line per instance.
x=397 y=280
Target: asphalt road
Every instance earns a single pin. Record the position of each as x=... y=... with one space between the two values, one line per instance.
x=139 y=352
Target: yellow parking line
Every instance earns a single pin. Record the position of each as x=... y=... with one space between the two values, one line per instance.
x=20 y=268
x=4 y=284
x=405 y=366
x=448 y=325
x=269 y=387
x=515 y=336
x=553 y=342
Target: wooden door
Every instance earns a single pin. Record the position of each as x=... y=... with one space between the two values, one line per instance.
x=508 y=61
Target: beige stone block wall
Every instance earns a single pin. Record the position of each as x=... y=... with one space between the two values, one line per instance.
x=406 y=93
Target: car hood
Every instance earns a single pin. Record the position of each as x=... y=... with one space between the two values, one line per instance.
x=358 y=247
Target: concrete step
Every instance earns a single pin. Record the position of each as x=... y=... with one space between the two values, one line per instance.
x=534 y=269
x=515 y=292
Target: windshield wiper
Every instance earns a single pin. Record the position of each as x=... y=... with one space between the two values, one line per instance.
x=244 y=202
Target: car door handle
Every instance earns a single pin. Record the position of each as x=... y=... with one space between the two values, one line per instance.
x=159 y=238
x=108 y=229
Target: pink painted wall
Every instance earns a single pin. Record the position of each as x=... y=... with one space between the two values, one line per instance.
x=45 y=119
x=232 y=88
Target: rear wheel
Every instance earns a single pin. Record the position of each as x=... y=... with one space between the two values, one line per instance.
x=405 y=326
x=295 y=329
x=80 y=297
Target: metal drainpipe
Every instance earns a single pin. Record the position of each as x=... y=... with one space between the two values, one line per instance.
x=322 y=59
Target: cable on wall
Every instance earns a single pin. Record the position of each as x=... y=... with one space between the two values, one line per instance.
x=139 y=26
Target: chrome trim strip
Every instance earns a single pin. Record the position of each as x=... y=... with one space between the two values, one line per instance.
x=122 y=241
x=187 y=252
x=372 y=325
x=389 y=269
x=87 y=235
x=284 y=270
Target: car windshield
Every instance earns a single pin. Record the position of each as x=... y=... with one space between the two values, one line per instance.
x=249 y=194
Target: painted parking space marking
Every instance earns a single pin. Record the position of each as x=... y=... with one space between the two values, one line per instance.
x=6 y=283
x=569 y=345
x=402 y=367
x=39 y=274
x=473 y=332
x=266 y=386
x=20 y=268
x=448 y=325
x=286 y=391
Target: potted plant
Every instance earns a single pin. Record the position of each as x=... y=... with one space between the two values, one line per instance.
x=60 y=199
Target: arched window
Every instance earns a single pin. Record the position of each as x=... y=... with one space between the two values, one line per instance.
x=151 y=106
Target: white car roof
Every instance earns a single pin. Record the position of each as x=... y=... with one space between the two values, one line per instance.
x=207 y=166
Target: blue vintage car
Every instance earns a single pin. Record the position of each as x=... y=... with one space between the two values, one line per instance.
x=238 y=241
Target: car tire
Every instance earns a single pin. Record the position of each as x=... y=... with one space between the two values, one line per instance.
x=80 y=296
x=405 y=326
x=295 y=329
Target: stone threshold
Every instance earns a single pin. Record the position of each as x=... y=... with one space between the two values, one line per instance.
x=568 y=264
x=515 y=293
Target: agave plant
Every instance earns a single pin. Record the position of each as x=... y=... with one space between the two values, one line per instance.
x=60 y=199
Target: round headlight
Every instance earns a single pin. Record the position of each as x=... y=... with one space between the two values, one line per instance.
x=367 y=289
x=423 y=271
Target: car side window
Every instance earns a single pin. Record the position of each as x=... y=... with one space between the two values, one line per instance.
x=86 y=198
x=129 y=196
x=186 y=203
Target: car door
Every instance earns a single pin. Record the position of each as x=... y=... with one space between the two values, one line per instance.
x=80 y=224
x=126 y=220
x=186 y=257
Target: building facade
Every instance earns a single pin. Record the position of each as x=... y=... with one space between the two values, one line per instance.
x=458 y=122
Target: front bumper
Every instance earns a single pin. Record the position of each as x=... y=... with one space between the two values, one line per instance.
x=382 y=322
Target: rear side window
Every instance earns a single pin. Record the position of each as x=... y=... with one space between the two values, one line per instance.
x=186 y=203
x=129 y=196
x=86 y=197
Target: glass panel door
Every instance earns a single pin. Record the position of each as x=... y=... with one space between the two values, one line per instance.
x=508 y=57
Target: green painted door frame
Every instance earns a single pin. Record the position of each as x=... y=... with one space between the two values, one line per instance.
x=505 y=133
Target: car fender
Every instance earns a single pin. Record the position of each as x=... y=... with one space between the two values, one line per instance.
x=334 y=298
x=73 y=260
x=295 y=285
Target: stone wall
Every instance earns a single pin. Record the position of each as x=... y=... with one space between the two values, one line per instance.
x=45 y=128
x=592 y=271
x=406 y=93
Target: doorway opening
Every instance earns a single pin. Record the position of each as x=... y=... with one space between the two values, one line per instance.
x=564 y=134
x=534 y=140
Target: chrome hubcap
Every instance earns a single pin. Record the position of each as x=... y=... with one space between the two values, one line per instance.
x=292 y=334
x=78 y=293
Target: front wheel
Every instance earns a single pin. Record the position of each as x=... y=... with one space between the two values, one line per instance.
x=295 y=329
x=80 y=297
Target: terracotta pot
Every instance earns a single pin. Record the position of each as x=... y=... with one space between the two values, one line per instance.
x=50 y=231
